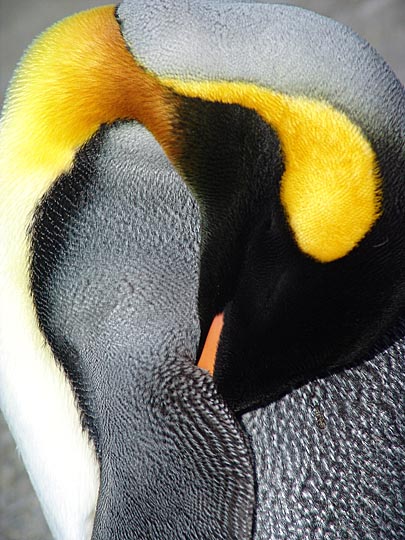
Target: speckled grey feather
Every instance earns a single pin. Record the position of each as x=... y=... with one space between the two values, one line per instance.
x=329 y=457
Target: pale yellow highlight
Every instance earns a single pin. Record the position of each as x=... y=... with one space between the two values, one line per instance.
x=330 y=189
x=39 y=131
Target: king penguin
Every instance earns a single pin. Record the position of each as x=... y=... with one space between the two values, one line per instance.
x=169 y=164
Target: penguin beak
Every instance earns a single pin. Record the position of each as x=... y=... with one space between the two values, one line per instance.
x=210 y=347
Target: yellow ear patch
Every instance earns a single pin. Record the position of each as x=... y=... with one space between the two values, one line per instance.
x=41 y=128
x=330 y=190
x=75 y=77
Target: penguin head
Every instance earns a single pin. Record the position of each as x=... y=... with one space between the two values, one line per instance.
x=290 y=133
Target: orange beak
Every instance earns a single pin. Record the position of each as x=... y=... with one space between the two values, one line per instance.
x=209 y=352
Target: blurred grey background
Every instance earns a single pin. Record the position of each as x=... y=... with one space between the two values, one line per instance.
x=382 y=22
